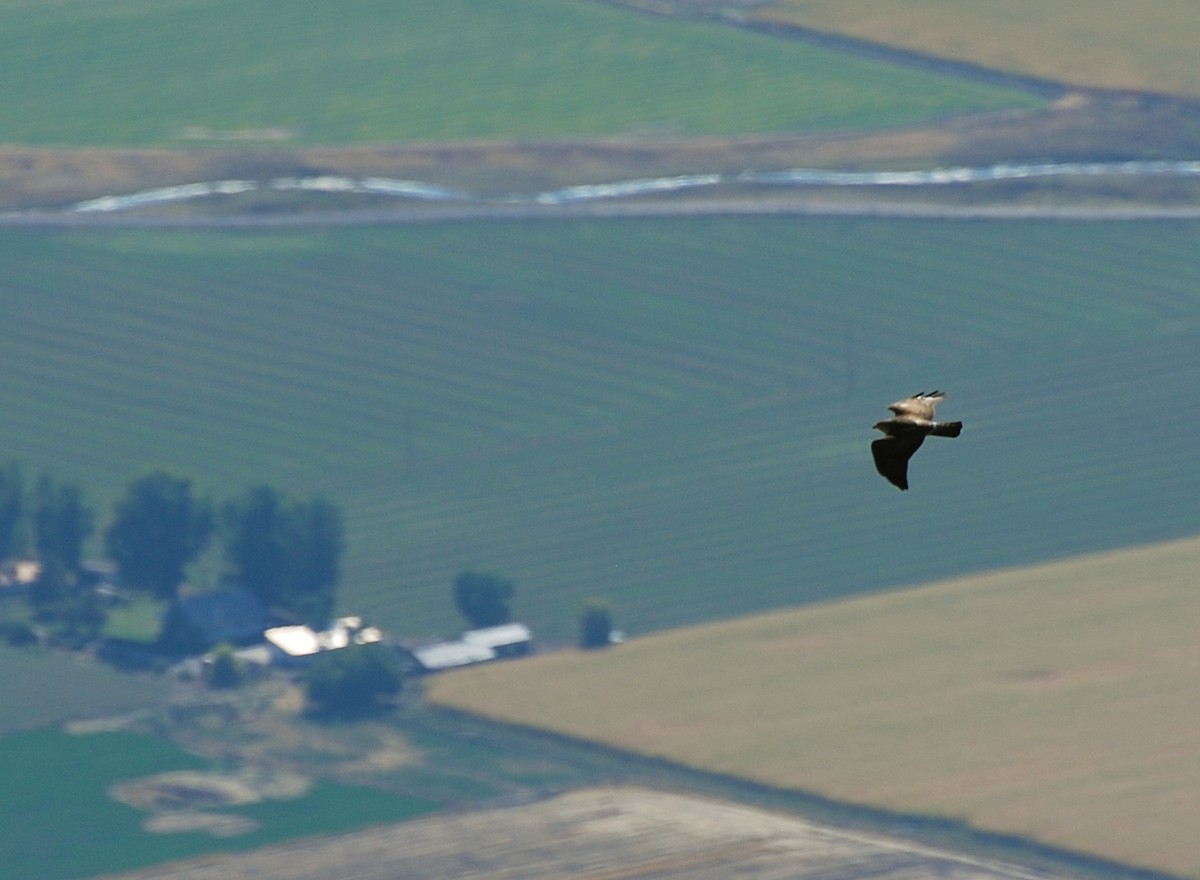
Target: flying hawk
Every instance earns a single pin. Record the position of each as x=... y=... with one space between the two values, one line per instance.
x=906 y=431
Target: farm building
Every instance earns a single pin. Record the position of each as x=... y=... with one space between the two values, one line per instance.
x=475 y=646
x=448 y=655
x=298 y=645
x=17 y=576
x=507 y=640
x=197 y=622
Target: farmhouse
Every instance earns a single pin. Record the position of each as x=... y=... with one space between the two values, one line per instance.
x=17 y=576
x=298 y=645
x=199 y=621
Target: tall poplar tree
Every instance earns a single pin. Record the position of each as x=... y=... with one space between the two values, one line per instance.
x=157 y=529
x=287 y=551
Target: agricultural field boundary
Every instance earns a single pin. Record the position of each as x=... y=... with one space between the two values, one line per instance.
x=37 y=181
x=1014 y=702
x=599 y=834
x=759 y=17
x=1097 y=46
x=1106 y=44
x=644 y=209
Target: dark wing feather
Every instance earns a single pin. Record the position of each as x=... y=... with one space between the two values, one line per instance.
x=892 y=455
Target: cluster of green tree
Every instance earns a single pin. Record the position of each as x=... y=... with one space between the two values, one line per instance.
x=223 y=669
x=286 y=550
x=595 y=624
x=483 y=600
x=352 y=681
x=52 y=521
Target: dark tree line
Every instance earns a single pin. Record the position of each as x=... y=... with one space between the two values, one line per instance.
x=52 y=520
x=286 y=550
x=12 y=508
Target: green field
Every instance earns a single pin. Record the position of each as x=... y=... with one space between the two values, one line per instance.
x=672 y=414
x=138 y=621
x=132 y=73
x=56 y=784
x=1056 y=702
x=39 y=688
x=1097 y=44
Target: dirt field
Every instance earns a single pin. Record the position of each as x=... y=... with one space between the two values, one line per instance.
x=595 y=834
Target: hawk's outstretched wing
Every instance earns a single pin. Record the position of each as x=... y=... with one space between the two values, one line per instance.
x=892 y=455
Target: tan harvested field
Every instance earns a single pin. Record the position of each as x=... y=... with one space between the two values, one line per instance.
x=1108 y=44
x=1056 y=702
x=595 y=834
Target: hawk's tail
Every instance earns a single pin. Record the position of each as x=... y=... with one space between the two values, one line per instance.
x=946 y=429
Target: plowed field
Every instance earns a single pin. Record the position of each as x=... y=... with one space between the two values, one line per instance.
x=596 y=834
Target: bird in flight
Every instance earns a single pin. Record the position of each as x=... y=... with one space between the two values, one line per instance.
x=911 y=423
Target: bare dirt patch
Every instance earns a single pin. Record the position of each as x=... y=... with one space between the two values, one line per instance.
x=260 y=731
x=188 y=790
x=204 y=133
x=689 y=9
x=184 y=801
x=189 y=822
x=598 y=834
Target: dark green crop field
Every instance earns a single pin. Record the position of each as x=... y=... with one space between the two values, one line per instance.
x=132 y=73
x=58 y=785
x=674 y=414
x=57 y=781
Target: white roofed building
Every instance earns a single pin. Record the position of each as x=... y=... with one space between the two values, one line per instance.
x=475 y=646
x=507 y=639
x=297 y=645
x=448 y=655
